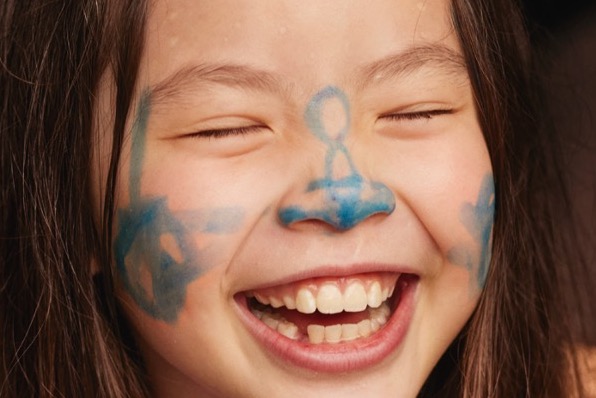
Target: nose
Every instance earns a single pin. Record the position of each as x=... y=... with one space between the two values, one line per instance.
x=342 y=197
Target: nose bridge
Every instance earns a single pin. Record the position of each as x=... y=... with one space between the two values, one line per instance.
x=342 y=197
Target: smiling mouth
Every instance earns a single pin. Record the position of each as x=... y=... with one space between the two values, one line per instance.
x=330 y=311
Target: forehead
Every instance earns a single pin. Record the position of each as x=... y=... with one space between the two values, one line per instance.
x=306 y=42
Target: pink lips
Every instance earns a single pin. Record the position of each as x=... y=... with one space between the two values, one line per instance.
x=341 y=357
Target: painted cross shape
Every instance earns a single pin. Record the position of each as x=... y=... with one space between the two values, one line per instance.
x=350 y=199
x=155 y=254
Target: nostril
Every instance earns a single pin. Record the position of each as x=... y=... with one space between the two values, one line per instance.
x=342 y=198
x=343 y=204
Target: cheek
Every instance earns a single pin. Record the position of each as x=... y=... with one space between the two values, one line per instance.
x=447 y=183
x=167 y=235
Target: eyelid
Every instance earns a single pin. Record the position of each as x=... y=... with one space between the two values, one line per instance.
x=226 y=132
x=417 y=115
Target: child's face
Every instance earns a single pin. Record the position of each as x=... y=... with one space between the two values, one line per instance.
x=313 y=157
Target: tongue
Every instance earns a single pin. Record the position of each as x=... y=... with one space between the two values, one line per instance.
x=303 y=320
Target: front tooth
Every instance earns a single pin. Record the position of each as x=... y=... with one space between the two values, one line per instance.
x=391 y=291
x=289 y=302
x=364 y=328
x=257 y=313
x=316 y=333
x=375 y=296
x=374 y=325
x=385 y=293
x=329 y=300
x=269 y=321
x=349 y=332
x=385 y=310
x=355 y=298
x=261 y=299
x=275 y=302
x=289 y=330
x=305 y=301
x=380 y=314
x=333 y=334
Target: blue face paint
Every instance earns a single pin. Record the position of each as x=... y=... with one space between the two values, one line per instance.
x=138 y=248
x=478 y=220
x=348 y=200
x=155 y=256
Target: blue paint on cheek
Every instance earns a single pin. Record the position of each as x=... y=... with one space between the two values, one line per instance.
x=223 y=221
x=154 y=277
x=478 y=220
x=347 y=200
x=155 y=256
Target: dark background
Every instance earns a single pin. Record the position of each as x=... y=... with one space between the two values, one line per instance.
x=557 y=14
x=564 y=33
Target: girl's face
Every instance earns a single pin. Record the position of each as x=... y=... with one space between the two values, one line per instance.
x=305 y=197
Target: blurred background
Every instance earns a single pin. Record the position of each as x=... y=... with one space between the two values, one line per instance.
x=564 y=32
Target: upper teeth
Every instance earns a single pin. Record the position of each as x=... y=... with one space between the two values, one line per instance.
x=328 y=297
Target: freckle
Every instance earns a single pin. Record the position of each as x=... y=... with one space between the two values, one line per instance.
x=169 y=244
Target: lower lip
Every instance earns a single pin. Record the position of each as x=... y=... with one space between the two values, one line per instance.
x=341 y=357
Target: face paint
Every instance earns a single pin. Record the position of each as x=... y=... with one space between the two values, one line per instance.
x=347 y=200
x=478 y=220
x=155 y=254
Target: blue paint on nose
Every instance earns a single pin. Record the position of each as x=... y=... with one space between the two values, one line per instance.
x=349 y=200
x=343 y=207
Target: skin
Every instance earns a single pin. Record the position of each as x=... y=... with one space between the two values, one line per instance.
x=202 y=217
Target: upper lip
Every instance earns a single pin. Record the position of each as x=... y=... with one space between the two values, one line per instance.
x=335 y=271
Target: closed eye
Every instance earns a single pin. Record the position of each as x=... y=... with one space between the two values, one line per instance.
x=227 y=132
x=420 y=115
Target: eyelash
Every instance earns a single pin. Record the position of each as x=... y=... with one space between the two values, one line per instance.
x=221 y=133
x=426 y=115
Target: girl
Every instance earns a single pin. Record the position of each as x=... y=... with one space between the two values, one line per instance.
x=276 y=198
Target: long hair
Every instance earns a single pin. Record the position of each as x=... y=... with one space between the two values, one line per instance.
x=57 y=339
x=518 y=342
x=62 y=334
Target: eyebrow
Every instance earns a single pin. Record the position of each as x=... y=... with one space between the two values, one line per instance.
x=239 y=76
x=247 y=77
x=440 y=57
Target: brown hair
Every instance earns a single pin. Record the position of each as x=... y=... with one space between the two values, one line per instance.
x=518 y=342
x=57 y=338
x=61 y=331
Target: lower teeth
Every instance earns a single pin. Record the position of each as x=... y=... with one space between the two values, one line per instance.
x=318 y=334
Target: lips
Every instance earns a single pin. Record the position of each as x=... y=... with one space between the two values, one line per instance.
x=331 y=324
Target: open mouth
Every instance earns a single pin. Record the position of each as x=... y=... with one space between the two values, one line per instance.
x=330 y=311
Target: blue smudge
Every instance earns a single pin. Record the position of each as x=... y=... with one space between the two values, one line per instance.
x=478 y=220
x=345 y=204
x=139 y=133
x=221 y=220
x=157 y=277
x=139 y=240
